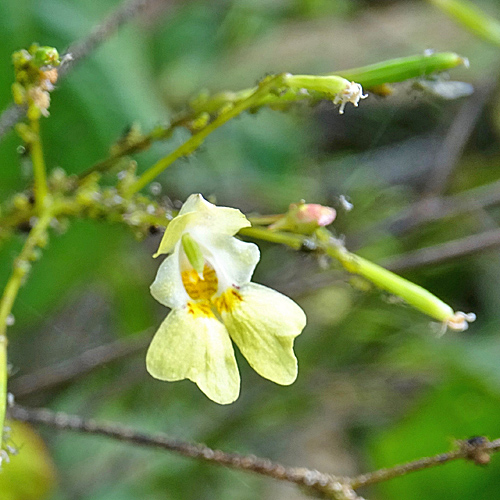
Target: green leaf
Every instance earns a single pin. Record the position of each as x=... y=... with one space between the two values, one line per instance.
x=30 y=474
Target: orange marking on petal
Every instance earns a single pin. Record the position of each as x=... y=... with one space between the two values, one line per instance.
x=200 y=309
x=227 y=300
x=200 y=288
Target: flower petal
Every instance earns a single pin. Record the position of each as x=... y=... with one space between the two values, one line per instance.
x=263 y=324
x=197 y=212
x=234 y=260
x=167 y=288
x=196 y=347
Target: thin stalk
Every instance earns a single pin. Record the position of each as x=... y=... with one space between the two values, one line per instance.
x=39 y=171
x=264 y=220
x=294 y=241
x=21 y=268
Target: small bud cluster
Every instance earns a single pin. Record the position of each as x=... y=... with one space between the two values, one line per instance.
x=139 y=212
x=36 y=74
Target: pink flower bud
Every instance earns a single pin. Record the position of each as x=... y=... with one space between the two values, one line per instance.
x=313 y=213
x=305 y=218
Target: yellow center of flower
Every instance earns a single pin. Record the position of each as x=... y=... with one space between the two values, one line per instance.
x=200 y=288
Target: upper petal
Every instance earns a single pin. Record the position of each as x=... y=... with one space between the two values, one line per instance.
x=199 y=213
x=167 y=288
x=196 y=347
x=264 y=324
x=234 y=260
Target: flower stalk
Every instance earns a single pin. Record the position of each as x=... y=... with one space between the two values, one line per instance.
x=37 y=159
x=21 y=267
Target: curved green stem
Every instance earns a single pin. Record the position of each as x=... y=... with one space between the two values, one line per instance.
x=21 y=267
x=293 y=86
x=291 y=240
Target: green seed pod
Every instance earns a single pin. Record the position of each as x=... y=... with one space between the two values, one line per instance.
x=413 y=294
x=404 y=68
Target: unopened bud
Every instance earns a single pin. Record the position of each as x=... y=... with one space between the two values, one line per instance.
x=305 y=218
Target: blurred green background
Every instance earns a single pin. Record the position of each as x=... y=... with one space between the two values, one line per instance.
x=376 y=385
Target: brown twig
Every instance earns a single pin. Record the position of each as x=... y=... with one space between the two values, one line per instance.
x=73 y=368
x=334 y=487
x=444 y=252
x=81 y=49
x=476 y=449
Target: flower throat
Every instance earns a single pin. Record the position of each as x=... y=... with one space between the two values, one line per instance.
x=200 y=288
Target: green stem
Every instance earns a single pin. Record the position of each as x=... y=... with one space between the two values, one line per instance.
x=265 y=220
x=3 y=384
x=21 y=268
x=197 y=139
x=319 y=86
x=329 y=85
x=294 y=241
x=39 y=171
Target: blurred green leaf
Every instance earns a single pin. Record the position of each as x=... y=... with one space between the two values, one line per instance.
x=30 y=474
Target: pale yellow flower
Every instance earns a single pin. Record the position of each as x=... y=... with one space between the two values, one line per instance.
x=206 y=282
